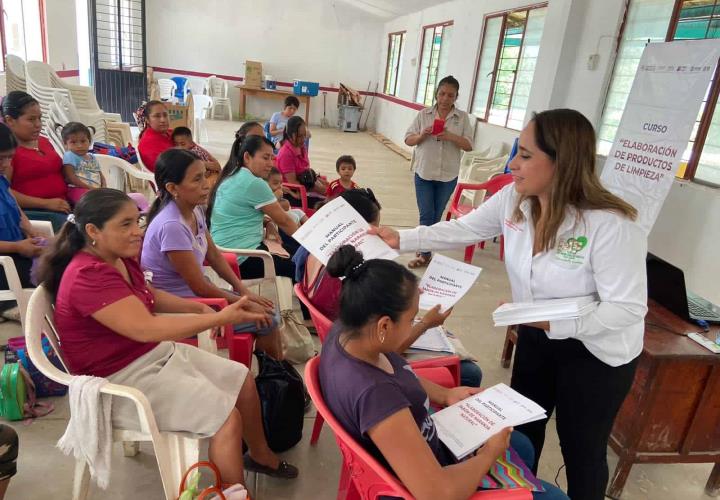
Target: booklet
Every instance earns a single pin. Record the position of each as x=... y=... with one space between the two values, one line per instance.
x=337 y=224
x=434 y=340
x=445 y=282
x=466 y=425
x=518 y=313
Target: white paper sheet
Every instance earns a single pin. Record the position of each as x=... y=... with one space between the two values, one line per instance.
x=434 y=340
x=445 y=282
x=337 y=224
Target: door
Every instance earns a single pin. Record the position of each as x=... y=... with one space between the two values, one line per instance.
x=117 y=54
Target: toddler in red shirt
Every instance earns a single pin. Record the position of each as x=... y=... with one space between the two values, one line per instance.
x=345 y=166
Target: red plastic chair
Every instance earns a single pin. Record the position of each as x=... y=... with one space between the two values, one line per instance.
x=443 y=370
x=303 y=197
x=363 y=477
x=457 y=210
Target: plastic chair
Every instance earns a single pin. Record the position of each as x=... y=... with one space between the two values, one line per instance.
x=197 y=87
x=14 y=74
x=444 y=370
x=303 y=197
x=362 y=476
x=168 y=89
x=62 y=110
x=458 y=210
x=218 y=90
x=201 y=107
x=140 y=162
x=175 y=452
x=116 y=172
x=181 y=84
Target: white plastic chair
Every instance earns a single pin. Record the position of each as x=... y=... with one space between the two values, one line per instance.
x=218 y=90
x=197 y=86
x=68 y=112
x=14 y=74
x=175 y=452
x=167 y=89
x=477 y=172
x=202 y=105
x=140 y=162
x=116 y=172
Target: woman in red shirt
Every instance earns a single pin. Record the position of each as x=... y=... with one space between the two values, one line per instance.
x=157 y=135
x=106 y=317
x=35 y=176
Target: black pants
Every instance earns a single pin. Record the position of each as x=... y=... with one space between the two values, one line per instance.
x=587 y=393
x=23 y=265
x=252 y=267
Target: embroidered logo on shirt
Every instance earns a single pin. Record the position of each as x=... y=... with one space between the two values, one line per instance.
x=512 y=225
x=570 y=250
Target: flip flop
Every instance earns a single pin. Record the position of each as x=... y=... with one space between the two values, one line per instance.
x=283 y=471
x=419 y=261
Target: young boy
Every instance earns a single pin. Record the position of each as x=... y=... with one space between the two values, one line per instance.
x=182 y=137
x=274 y=180
x=279 y=120
x=345 y=167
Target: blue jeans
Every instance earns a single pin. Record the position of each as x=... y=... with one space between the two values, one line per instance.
x=525 y=450
x=432 y=197
x=470 y=373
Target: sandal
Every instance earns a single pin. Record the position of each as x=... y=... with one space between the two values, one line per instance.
x=420 y=260
x=284 y=470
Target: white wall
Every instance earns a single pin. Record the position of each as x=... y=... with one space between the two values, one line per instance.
x=61 y=34
x=322 y=41
x=687 y=232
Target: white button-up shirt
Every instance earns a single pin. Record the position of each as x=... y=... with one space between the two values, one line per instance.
x=597 y=252
x=433 y=159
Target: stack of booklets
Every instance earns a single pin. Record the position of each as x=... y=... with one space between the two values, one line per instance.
x=466 y=425
x=433 y=340
x=518 y=313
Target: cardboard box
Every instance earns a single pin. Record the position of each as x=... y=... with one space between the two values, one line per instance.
x=181 y=115
x=253 y=74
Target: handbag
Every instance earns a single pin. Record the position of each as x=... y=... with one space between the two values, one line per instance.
x=298 y=344
x=282 y=401
x=44 y=387
x=189 y=486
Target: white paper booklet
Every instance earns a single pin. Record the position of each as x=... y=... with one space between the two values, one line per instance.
x=434 y=340
x=517 y=313
x=337 y=224
x=445 y=282
x=465 y=426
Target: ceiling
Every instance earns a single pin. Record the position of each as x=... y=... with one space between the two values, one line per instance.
x=389 y=9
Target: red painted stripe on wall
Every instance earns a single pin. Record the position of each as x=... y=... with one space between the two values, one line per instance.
x=66 y=73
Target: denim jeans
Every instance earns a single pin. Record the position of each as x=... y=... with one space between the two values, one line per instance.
x=432 y=197
x=525 y=450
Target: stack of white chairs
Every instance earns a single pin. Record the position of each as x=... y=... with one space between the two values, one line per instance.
x=14 y=74
x=218 y=90
x=43 y=83
x=480 y=166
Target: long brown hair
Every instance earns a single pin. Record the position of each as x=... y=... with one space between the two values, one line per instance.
x=568 y=138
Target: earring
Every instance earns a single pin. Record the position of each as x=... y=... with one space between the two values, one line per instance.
x=382 y=337
x=93 y=242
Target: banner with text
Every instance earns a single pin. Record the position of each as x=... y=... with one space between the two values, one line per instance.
x=655 y=128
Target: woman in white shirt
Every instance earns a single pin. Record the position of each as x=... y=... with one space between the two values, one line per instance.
x=565 y=236
x=436 y=158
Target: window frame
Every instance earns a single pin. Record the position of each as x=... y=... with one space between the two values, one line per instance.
x=422 y=50
x=481 y=45
x=710 y=105
x=403 y=36
x=43 y=32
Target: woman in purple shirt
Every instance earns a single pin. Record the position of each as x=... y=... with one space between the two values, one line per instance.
x=177 y=243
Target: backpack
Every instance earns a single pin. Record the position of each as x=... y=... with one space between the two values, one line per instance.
x=282 y=401
x=44 y=387
x=17 y=394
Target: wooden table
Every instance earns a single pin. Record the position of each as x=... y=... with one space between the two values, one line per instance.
x=672 y=414
x=270 y=94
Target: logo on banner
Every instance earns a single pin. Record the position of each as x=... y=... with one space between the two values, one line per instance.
x=570 y=250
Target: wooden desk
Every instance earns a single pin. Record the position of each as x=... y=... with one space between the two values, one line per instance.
x=270 y=94
x=672 y=413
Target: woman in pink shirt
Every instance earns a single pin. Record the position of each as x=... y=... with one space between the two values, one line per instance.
x=293 y=160
x=106 y=316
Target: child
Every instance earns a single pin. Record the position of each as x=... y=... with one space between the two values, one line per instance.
x=182 y=137
x=80 y=168
x=280 y=119
x=274 y=180
x=345 y=166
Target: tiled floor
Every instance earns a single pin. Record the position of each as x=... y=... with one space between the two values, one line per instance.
x=45 y=473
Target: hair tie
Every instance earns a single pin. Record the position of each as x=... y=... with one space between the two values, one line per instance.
x=355 y=270
x=71 y=218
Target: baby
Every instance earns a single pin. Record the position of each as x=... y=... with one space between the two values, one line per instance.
x=80 y=167
x=274 y=180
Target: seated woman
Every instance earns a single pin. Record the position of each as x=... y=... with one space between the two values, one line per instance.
x=279 y=120
x=17 y=237
x=324 y=290
x=36 y=174
x=293 y=160
x=177 y=242
x=379 y=400
x=241 y=199
x=156 y=137
x=105 y=314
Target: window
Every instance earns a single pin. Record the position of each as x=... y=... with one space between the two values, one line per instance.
x=119 y=34
x=434 y=52
x=396 y=43
x=650 y=21
x=23 y=30
x=506 y=65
